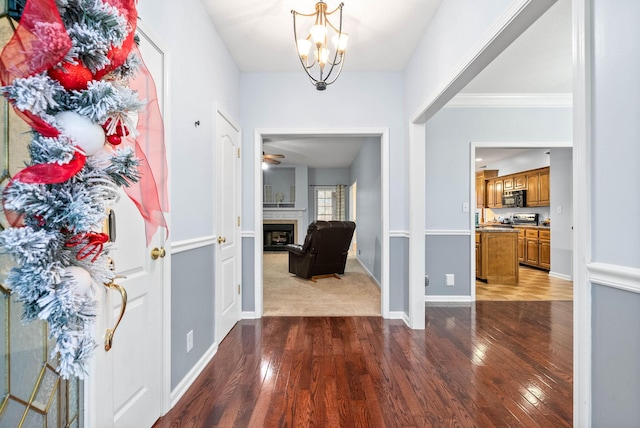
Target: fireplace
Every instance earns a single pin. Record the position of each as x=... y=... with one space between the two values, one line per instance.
x=277 y=235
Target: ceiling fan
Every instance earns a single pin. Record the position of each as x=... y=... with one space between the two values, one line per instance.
x=272 y=159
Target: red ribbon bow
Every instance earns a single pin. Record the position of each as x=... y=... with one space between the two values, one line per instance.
x=94 y=244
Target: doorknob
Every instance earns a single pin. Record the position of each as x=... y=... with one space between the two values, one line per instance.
x=221 y=239
x=158 y=252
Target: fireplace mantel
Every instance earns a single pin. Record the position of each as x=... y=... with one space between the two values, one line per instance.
x=284 y=215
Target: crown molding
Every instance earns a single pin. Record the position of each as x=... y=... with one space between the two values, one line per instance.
x=512 y=100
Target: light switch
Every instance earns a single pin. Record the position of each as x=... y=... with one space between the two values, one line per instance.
x=559 y=210
x=465 y=207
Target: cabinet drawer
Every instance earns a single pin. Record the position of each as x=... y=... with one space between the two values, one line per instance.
x=545 y=234
x=531 y=234
x=521 y=233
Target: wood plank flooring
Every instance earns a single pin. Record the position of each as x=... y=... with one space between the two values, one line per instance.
x=489 y=364
x=534 y=284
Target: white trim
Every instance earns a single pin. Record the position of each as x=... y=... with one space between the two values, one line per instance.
x=472 y=186
x=582 y=154
x=560 y=276
x=399 y=234
x=513 y=22
x=399 y=315
x=507 y=28
x=511 y=100
x=249 y=315
x=193 y=374
x=417 y=215
x=259 y=134
x=615 y=276
x=373 y=278
x=247 y=234
x=192 y=244
x=432 y=232
x=448 y=299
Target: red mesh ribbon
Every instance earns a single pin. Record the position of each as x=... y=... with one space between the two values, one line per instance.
x=118 y=55
x=150 y=193
x=93 y=247
x=39 y=42
x=44 y=173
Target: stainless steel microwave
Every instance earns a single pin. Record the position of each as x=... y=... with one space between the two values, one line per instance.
x=514 y=199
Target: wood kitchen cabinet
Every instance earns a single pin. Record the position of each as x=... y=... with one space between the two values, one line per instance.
x=481 y=186
x=531 y=256
x=520 y=245
x=478 y=256
x=520 y=182
x=494 y=193
x=536 y=248
x=499 y=184
x=538 y=189
x=496 y=256
x=544 y=249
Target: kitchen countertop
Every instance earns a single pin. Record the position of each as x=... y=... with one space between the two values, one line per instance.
x=508 y=226
x=494 y=229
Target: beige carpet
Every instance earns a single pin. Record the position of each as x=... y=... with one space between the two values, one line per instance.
x=285 y=294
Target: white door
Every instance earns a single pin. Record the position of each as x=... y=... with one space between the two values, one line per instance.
x=227 y=288
x=126 y=389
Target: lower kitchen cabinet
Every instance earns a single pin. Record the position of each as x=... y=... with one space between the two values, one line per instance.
x=496 y=256
x=537 y=248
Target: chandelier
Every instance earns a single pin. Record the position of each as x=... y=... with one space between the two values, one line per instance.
x=316 y=39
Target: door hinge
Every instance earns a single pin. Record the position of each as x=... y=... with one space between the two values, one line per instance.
x=238 y=288
x=238 y=152
x=238 y=221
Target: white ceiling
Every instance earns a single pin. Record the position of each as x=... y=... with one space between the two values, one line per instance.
x=259 y=33
x=259 y=36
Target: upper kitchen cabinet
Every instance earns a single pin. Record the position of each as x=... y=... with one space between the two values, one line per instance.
x=538 y=187
x=481 y=186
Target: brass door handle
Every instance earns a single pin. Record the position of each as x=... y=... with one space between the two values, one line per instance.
x=108 y=336
x=221 y=239
x=158 y=252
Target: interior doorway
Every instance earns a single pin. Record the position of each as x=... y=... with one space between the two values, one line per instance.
x=556 y=283
x=353 y=191
x=381 y=212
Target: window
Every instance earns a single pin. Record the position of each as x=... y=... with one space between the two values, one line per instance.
x=325 y=203
x=330 y=202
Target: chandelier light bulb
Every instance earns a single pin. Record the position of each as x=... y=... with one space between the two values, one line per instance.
x=340 y=42
x=318 y=34
x=303 y=48
x=324 y=56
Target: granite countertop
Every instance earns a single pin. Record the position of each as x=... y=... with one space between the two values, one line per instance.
x=494 y=229
x=508 y=226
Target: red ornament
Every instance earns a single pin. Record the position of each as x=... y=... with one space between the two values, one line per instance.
x=117 y=128
x=114 y=139
x=71 y=76
x=117 y=56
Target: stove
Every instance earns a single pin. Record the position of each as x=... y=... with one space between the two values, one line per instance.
x=528 y=219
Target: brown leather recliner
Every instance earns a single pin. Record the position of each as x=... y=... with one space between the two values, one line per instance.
x=324 y=252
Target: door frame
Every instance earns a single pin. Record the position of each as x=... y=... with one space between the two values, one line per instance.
x=219 y=111
x=472 y=186
x=259 y=135
x=89 y=401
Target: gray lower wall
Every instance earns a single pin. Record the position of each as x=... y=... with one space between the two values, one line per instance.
x=399 y=274
x=448 y=254
x=616 y=358
x=248 y=275
x=192 y=303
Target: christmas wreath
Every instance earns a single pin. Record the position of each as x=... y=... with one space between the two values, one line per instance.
x=72 y=71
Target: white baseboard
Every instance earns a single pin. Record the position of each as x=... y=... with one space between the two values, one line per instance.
x=448 y=299
x=249 y=315
x=399 y=315
x=193 y=374
x=560 y=276
x=373 y=278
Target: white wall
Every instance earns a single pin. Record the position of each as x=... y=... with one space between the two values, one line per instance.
x=615 y=244
x=201 y=73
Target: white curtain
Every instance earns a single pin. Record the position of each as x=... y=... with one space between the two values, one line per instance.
x=341 y=202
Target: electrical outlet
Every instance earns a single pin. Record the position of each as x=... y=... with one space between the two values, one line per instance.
x=426 y=280
x=190 y=341
x=450 y=279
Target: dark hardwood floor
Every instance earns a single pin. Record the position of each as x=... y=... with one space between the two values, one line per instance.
x=490 y=364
